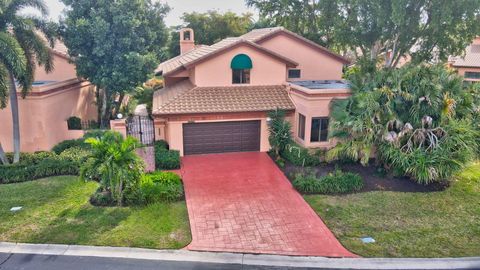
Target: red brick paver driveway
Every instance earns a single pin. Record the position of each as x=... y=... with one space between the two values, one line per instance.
x=241 y=202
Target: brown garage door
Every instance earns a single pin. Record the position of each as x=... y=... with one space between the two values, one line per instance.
x=221 y=137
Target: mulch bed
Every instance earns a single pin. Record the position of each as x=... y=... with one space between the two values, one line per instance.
x=373 y=180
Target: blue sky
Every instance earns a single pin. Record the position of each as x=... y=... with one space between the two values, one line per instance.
x=178 y=8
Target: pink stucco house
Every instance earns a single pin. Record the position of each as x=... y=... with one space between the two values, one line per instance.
x=54 y=98
x=216 y=98
x=468 y=65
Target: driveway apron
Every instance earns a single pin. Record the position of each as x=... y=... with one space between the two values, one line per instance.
x=242 y=202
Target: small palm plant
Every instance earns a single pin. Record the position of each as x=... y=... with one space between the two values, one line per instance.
x=115 y=162
x=280 y=131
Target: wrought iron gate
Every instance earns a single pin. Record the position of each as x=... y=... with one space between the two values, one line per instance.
x=142 y=128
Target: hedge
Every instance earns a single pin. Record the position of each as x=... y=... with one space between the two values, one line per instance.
x=166 y=159
x=337 y=182
x=300 y=156
x=22 y=172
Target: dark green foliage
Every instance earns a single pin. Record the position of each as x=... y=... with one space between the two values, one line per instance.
x=337 y=182
x=78 y=143
x=210 y=27
x=166 y=159
x=116 y=45
x=161 y=187
x=41 y=168
x=67 y=144
x=74 y=123
x=420 y=120
x=425 y=30
x=161 y=145
x=300 y=156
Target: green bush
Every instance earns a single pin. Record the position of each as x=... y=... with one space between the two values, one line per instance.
x=161 y=145
x=166 y=159
x=62 y=146
x=22 y=172
x=161 y=187
x=334 y=183
x=300 y=156
x=76 y=154
x=74 y=123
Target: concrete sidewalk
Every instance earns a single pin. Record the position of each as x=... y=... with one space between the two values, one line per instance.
x=239 y=258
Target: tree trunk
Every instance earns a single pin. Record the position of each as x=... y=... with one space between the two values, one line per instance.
x=118 y=105
x=104 y=111
x=15 y=119
x=3 y=157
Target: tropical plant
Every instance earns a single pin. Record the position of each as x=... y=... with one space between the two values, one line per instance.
x=280 y=134
x=417 y=119
x=115 y=161
x=23 y=43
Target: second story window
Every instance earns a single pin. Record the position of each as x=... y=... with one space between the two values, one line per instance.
x=241 y=65
x=472 y=75
x=294 y=73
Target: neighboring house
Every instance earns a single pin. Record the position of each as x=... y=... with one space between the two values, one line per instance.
x=469 y=65
x=54 y=98
x=216 y=98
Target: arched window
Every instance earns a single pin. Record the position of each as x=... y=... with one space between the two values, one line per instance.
x=241 y=65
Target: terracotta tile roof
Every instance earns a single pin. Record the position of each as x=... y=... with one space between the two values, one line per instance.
x=164 y=95
x=203 y=52
x=228 y=99
x=471 y=58
x=257 y=35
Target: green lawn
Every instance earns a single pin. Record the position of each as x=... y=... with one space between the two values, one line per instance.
x=439 y=224
x=56 y=210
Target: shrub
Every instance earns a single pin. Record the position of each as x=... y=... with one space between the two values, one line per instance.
x=300 y=156
x=161 y=145
x=62 y=146
x=280 y=134
x=162 y=187
x=74 y=123
x=114 y=160
x=166 y=159
x=76 y=154
x=22 y=172
x=334 y=183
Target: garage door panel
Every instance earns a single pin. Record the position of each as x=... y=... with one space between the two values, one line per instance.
x=221 y=137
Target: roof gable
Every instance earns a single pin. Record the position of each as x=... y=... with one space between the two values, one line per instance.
x=203 y=53
x=260 y=35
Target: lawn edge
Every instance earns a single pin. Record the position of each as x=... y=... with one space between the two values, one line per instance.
x=241 y=258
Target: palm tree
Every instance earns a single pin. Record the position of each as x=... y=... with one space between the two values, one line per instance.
x=23 y=47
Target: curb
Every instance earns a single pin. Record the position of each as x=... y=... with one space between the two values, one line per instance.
x=242 y=259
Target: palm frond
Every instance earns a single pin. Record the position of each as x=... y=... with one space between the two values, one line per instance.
x=4 y=81
x=13 y=58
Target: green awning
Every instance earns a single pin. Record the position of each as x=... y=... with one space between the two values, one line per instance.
x=241 y=61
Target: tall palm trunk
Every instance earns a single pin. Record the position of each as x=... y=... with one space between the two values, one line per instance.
x=15 y=119
x=3 y=157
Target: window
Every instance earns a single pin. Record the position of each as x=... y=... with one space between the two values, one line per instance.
x=241 y=65
x=472 y=75
x=293 y=73
x=301 y=126
x=240 y=76
x=319 y=130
